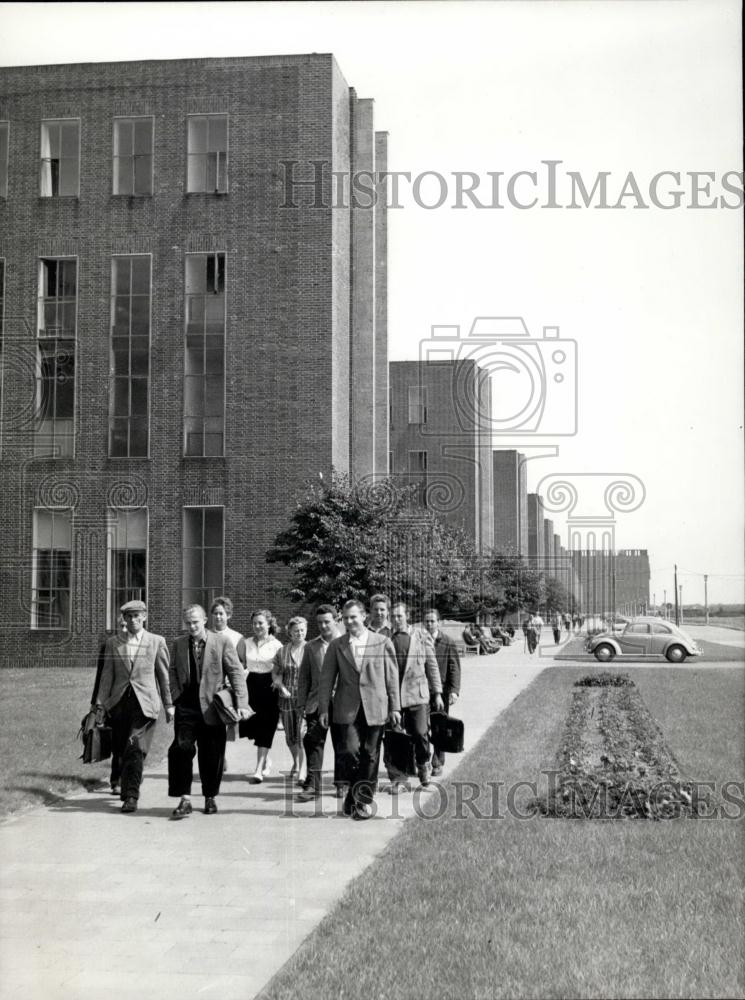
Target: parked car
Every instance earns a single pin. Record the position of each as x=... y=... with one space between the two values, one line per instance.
x=644 y=637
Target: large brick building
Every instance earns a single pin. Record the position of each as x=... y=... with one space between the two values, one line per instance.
x=188 y=336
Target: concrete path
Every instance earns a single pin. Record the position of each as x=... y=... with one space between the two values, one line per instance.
x=95 y=903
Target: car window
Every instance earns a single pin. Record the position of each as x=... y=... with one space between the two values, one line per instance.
x=640 y=628
x=662 y=629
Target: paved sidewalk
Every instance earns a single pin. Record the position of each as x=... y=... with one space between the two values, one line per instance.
x=94 y=903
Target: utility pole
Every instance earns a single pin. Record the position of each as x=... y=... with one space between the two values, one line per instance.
x=680 y=588
x=706 y=598
x=664 y=604
x=677 y=607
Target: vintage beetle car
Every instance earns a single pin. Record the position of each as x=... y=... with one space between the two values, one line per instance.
x=643 y=637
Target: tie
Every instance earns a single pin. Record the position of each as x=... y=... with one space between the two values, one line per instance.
x=197 y=647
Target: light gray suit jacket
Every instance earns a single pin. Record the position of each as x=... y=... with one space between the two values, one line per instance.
x=148 y=673
x=374 y=684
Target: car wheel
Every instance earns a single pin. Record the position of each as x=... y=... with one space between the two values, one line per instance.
x=676 y=654
x=604 y=653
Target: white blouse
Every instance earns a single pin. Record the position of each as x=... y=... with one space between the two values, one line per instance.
x=260 y=658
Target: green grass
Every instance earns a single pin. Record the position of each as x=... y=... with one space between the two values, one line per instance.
x=40 y=713
x=489 y=908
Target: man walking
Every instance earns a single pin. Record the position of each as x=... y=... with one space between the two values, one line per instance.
x=308 y=685
x=200 y=664
x=361 y=667
x=448 y=662
x=419 y=678
x=379 y=611
x=134 y=681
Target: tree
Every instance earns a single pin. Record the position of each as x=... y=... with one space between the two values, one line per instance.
x=516 y=585
x=346 y=540
x=556 y=596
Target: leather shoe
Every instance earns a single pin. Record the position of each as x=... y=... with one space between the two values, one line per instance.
x=424 y=775
x=348 y=807
x=398 y=786
x=210 y=806
x=116 y=790
x=129 y=806
x=436 y=772
x=182 y=810
x=307 y=795
x=341 y=791
x=362 y=811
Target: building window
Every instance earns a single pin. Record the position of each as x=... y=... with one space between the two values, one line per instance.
x=207 y=158
x=390 y=463
x=4 y=138
x=204 y=371
x=60 y=158
x=418 y=475
x=130 y=356
x=417 y=404
x=55 y=374
x=133 y=156
x=52 y=558
x=127 y=562
x=202 y=573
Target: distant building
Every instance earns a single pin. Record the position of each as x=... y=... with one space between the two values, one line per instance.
x=440 y=450
x=510 y=502
x=613 y=581
x=187 y=340
x=536 y=538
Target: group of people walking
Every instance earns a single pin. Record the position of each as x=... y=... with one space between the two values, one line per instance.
x=378 y=674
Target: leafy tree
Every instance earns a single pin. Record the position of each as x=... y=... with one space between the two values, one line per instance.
x=516 y=585
x=349 y=540
x=556 y=596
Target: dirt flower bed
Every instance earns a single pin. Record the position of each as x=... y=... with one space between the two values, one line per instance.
x=613 y=762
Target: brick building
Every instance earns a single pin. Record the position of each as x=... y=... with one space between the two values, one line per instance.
x=193 y=329
x=443 y=452
x=510 y=502
x=536 y=552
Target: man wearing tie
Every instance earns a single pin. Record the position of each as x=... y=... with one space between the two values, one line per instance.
x=200 y=663
x=134 y=679
x=360 y=668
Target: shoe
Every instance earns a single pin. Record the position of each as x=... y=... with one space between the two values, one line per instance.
x=362 y=811
x=255 y=779
x=210 y=806
x=308 y=795
x=182 y=810
x=267 y=769
x=424 y=775
x=116 y=790
x=341 y=791
x=436 y=772
x=398 y=786
x=348 y=807
x=293 y=772
x=129 y=806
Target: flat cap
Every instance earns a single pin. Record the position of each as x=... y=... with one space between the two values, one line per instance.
x=133 y=606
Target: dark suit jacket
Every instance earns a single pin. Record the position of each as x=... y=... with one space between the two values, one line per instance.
x=448 y=662
x=219 y=660
x=148 y=675
x=309 y=677
x=374 y=685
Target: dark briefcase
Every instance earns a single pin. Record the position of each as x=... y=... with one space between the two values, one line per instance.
x=447 y=733
x=96 y=740
x=400 y=751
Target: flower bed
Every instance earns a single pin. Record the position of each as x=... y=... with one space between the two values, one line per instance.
x=613 y=762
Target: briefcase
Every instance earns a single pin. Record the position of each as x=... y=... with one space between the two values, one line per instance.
x=400 y=751
x=447 y=733
x=96 y=740
x=224 y=704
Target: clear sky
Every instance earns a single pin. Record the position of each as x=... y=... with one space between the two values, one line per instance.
x=652 y=296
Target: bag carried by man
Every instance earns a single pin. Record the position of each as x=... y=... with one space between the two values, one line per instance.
x=447 y=733
x=96 y=739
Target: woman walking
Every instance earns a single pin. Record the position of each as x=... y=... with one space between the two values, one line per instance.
x=284 y=680
x=261 y=648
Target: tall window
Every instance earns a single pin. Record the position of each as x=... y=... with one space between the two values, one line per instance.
x=133 y=156
x=52 y=557
x=60 y=158
x=130 y=356
x=204 y=372
x=57 y=318
x=207 y=153
x=202 y=573
x=417 y=404
x=418 y=475
x=4 y=133
x=127 y=562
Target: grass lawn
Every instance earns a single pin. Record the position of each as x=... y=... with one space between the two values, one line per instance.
x=473 y=907
x=40 y=713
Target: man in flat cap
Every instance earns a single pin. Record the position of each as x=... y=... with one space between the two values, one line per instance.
x=134 y=682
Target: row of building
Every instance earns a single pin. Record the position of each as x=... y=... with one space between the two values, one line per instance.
x=186 y=342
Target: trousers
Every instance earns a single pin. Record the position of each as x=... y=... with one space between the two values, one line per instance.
x=192 y=737
x=357 y=744
x=415 y=721
x=131 y=735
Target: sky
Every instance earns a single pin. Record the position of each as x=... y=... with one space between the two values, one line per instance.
x=651 y=296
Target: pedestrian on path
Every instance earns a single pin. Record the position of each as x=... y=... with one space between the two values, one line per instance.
x=448 y=662
x=309 y=680
x=261 y=648
x=201 y=663
x=134 y=682
x=285 y=674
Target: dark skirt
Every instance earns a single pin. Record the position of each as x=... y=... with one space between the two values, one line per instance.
x=262 y=698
